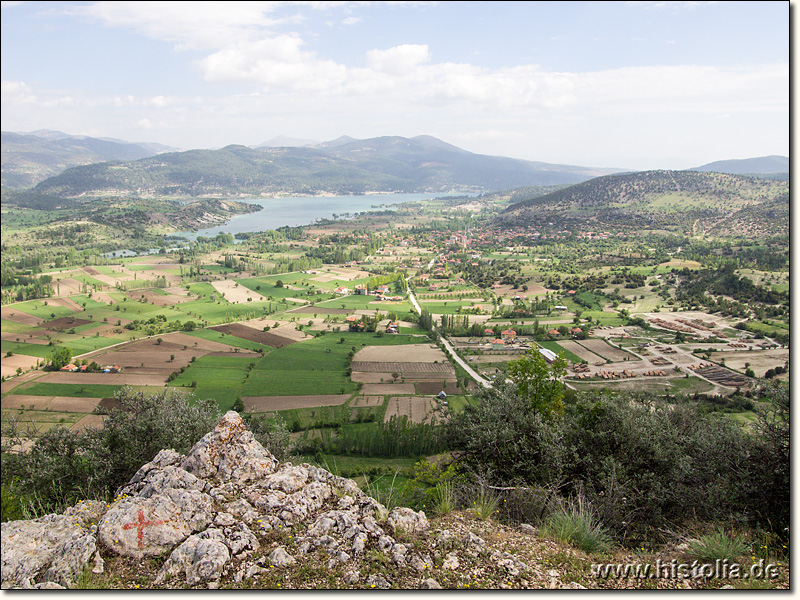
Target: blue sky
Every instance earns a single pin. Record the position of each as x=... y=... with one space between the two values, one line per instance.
x=637 y=85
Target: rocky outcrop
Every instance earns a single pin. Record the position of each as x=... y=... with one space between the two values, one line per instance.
x=204 y=519
x=205 y=511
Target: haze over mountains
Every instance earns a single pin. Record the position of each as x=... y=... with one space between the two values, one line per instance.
x=65 y=165
x=342 y=166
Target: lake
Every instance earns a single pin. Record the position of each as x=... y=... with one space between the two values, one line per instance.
x=304 y=210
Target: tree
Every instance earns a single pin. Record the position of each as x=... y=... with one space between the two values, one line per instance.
x=538 y=382
x=60 y=357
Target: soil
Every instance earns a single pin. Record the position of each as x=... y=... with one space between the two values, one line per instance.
x=413 y=353
x=606 y=351
x=434 y=387
x=94 y=421
x=9 y=313
x=248 y=333
x=10 y=364
x=383 y=389
x=418 y=410
x=103 y=378
x=235 y=293
x=65 y=323
x=272 y=403
x=363 y=401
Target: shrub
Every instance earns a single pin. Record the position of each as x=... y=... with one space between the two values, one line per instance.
x=575 y=524
x=486 y=506
x=445 y=498
x=64 y=466
x=717 y=546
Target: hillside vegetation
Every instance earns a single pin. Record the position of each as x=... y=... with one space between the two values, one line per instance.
x=358 y=166
x=677 y=200
x=29 y=159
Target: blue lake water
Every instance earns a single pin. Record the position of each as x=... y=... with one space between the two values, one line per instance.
x=304 y=210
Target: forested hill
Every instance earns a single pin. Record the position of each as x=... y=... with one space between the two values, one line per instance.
x=676 y=200
x=29 y=159
x=398 y=164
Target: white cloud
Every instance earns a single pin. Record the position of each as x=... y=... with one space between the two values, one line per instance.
x=17 y=92
x=400 y=60
x=196 y=25
x=276 y=63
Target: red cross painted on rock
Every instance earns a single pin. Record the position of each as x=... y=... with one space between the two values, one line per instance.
x=140 y=525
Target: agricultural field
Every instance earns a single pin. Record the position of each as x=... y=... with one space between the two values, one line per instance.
x=261 y=323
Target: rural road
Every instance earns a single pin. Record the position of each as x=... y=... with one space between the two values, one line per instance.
x=450 y=350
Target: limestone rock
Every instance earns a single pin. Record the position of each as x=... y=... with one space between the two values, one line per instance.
x=229 y=453
x=200 y=558
x=280 y=558
x=430 y=584
x=56 y=545
x=408 y=520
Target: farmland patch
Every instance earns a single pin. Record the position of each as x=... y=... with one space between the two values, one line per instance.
x=418 y=410
x=273 y=403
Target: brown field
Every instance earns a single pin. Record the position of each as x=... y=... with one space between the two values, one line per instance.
x=9 y=313
x=152 y=297
x=10 y=364
x=64 y=323
x=362 y=377
x=579 y=350
x=401 y=367
x=183 y=339
x=150 y=357
x=10 y=384
x=344 y=274
x=418 y=410
x=384 y=389
x=434 y=387
x=413 y=353
x=254 y=335
x=67 y=303
x=273 y=403
x=235 y=293
x=605 y=350
x=103 y=378
x=94 y=421
x=10 y=335
x=50 y=403
x=363 y=401
x=319 y=310
x=68 y=286
x=760 y=361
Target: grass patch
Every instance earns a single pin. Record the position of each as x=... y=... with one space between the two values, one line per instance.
x=71 y=390
x=717 y=546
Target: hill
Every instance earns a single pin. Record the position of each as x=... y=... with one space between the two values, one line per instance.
x=344 y=166
x=764 y=165
x=672 y=200
x=227 y=515
x=30 y=158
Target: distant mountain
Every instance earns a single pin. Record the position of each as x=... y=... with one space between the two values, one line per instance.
x=748 y=166
x=28 y=158
x=683 y=201
x=282 y=141
x=344 y=166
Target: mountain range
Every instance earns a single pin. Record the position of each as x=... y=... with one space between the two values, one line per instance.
x=28 y=158
x=342 y=166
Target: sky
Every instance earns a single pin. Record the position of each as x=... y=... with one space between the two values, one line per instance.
x=635 y=85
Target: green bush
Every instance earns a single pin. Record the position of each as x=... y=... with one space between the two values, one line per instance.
x=717 y=546
x=576 y=525
x=64 y=466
